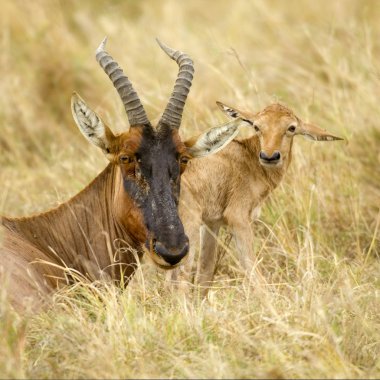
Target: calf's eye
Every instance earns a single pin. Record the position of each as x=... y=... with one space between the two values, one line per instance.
x=292 y=128
x=125 y=159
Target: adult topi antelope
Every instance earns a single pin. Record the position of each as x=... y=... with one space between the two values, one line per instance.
x=228 y=188
x=129 y=207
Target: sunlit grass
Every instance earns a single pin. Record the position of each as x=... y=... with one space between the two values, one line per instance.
x=311 y=307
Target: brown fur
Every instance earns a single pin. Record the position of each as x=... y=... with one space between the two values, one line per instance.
x=229 y=187
x=93 y=234
x=80 y=234
x=96 y=234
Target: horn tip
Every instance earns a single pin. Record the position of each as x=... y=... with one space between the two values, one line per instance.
x=170 y=52
x=102 y=45
x=162 y=45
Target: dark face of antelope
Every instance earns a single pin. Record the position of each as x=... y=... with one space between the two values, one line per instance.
x=151 y=178
x=150 y=160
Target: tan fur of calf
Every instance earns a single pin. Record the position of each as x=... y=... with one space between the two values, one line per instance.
x=228 y=188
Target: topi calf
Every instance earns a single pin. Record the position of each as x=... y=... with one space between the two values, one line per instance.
x=228 y=188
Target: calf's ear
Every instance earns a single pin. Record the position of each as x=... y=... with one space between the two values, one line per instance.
x=91 y=125
x=212 y=140
x=234 y=113
x=313 y=132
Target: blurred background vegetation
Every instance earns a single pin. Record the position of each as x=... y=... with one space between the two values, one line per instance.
x=314 y=310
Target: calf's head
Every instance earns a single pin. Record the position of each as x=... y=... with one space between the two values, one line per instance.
x=275 y=127
x=150 y=159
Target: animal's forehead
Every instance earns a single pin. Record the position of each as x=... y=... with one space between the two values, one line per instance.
x=151 y=142
x=275 y=112
x=130 y=140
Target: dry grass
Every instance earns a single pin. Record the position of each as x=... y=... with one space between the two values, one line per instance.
x=312 y=307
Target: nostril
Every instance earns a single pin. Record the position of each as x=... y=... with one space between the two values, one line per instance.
x=276 y=156
x=263 y=156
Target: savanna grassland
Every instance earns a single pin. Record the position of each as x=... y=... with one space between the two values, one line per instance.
x=311 y=306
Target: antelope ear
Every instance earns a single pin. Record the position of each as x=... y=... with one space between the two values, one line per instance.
x=213 y=140
x=313 y=132
x=234 y=112
x=90 y=124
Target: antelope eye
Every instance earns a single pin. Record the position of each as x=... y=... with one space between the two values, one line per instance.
x=184 y=160
x=257 y=129
x=125 y=159
x=292 y=128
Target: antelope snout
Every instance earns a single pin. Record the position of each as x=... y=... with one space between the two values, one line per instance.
x=270 y=160
x=171 y=256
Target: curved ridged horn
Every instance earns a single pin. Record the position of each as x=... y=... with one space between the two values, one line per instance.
x=173 y=111
x=132 y=104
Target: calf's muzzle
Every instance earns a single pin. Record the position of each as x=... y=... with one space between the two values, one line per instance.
x=274 y=158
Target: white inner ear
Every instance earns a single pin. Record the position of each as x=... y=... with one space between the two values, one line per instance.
x=308 y=136
x=89 y=122
x=228 y=110
x=215 y=139
x=231 y=112
x=318 y=138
